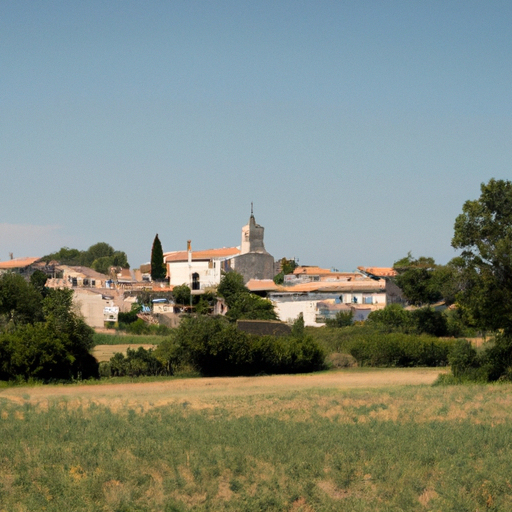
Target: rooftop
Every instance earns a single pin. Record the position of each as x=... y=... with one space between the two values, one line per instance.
x=379 y=271
x=209 y=254
x=261 y=285
x=17 y=263
x=361 y=285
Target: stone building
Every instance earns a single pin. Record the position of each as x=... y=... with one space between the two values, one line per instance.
x=201 y=270
x=253 y=262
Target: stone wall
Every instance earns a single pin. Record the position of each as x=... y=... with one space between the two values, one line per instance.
x=254 y=265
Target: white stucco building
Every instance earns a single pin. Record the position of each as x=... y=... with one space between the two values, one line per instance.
x=199 y=270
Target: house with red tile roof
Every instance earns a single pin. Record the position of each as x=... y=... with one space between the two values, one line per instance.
x=201 y=270
x=23 y=266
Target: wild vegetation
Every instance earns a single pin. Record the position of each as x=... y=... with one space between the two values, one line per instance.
x=100 y=257
x=400 y=448
x=241 y=303
x=481 y=279
x=41 y=336
x=214 y=346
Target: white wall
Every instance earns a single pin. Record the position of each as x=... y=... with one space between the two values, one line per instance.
x=377 y=298
x=180 y=273
x=91 y=307
x=289 y=311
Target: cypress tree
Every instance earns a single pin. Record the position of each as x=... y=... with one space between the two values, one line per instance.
x=158 y=270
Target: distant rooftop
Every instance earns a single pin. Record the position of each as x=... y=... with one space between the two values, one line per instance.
x=17 y=263
x=379 y=271
x=261 y=285
x=209 y=254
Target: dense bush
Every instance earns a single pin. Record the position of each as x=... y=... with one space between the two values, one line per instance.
x=241 y=303
x=136 y=363
x=43 y=338
x=492 y=363
x=392 y=317
x=128 y=317
x=216 y=347
x=399 y=349
x=342 y=319
x=465 y=362
x=418 y=321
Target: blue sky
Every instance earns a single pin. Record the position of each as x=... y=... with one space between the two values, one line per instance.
x=358 y=129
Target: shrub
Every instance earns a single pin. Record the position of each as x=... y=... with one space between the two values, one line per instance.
x=429 y=321
x=129 y=317
x=419 y=321
x=140 y=327
x=216 y=347
x=342 y=319
x=497 y=358
x=136 y=363
x=491 y=364
x=463 y=358
x=399 y=349
x=392 y=317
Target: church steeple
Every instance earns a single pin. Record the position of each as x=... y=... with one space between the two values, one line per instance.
x=252 y=236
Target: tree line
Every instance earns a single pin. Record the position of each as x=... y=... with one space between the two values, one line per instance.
x=100 y=257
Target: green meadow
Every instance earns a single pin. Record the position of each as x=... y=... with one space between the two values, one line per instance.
x=126 y=339
x=400 y=448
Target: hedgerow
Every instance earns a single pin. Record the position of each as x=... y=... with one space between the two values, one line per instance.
x=399 y=349
x=214 y=346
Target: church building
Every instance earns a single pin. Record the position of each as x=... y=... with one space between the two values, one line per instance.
x=253 y=262
x=201 y=270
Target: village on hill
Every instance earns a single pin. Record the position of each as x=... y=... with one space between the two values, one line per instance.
x=317 y=294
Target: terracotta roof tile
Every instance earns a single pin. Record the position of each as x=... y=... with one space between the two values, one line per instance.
x=361 y=285
x=379 y=271
x=255 y=285
x=17 y=263
x=209 y=254
x=310 y=271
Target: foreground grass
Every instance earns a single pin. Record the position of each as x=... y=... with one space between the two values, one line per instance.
x=402 y=448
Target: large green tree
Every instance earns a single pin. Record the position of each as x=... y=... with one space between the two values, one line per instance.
x=483 y=231
x=20 y=301
x=424 y=282
x=416 y=279
x=41 y=336
x=242 y=304
x=101 y=257
x=158 y=270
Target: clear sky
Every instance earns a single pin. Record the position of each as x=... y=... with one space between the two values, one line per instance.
x=357 y=128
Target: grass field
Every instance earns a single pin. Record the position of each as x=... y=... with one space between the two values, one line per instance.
x=105 y=338
x=351 y=440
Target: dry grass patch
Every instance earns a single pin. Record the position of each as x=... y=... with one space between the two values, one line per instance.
x=219 y=447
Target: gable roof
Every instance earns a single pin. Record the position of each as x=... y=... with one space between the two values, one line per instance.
x=209 y=254
x=79 y=271
x=379 y=271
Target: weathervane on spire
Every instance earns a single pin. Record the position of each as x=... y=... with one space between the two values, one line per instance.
x=251 y=209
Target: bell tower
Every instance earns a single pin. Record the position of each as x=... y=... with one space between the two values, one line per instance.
x=252 y=236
